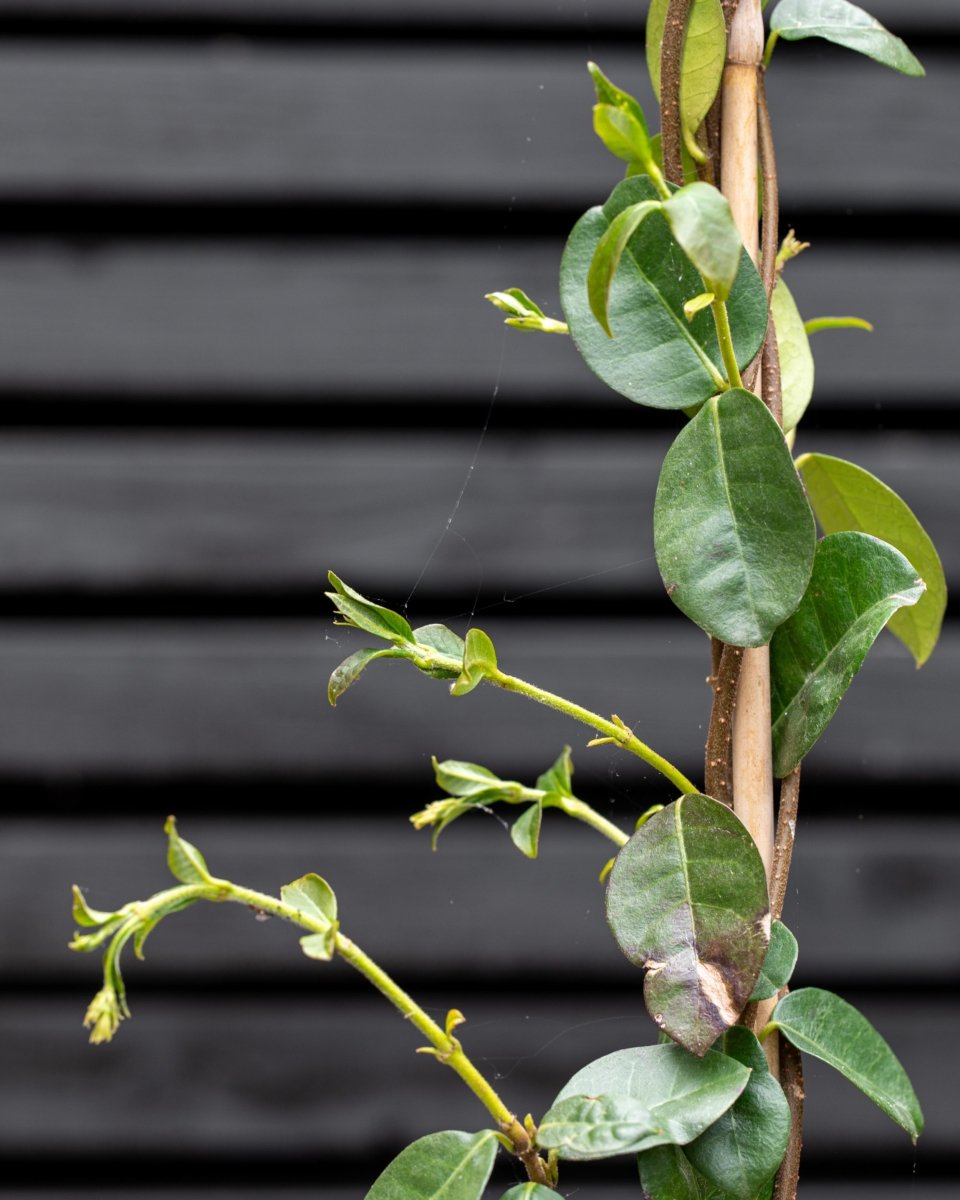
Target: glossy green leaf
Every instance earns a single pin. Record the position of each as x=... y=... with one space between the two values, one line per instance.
x=779 y=963
x=634 y=1099
x=358 y=611
x=479 y=661
x=312 y=896
x=701 y=221
x=609 y=94
x=741 y=1151
x=667 y=1174
x=349 y=671
x=440 y=1166
x=621 y=133
x=858 y=583
x=609 y=252
x=658 y=357
x=530 y=1191
x=687 y=900
x=733 y=532
x=559 y=778
x=467 y=779
x=525 y=831
x=704 y=52
x=185 y=861
x=846 y=497
x=821 y=1024
x=845 y=25
x=796 y=360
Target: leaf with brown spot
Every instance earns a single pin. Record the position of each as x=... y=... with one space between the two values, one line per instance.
x=687 y=900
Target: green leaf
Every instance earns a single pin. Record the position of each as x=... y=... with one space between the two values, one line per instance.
x=444 y=641
x=357 y=610
x=440 y=1166
x=658 y=357
x=530 y=1191
x=701 y=221
x=845 y=25
x=667 y=1174
x=858 y=583
x=633 y=1099
x=687 y=900
x=468 y=779
x=779 y=963
x=818 y=324
x=479 y=662
x=320 y=946
x=524 y=312
x=349 y=671
x=559 y=778
x=609 y=94
x=742 y=1150
x=525 y=831
x=89 y=917
x=796 y=361
x=185 y=861
x=733 y=532
x=621 y=133
x=821 y=1024
x=606 y=259
x=704 y=52
x=846 y=497
x=312 y=896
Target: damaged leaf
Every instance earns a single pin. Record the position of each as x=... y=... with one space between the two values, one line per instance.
x=687 y=901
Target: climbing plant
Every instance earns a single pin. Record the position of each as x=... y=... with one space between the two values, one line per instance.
x=673 y=292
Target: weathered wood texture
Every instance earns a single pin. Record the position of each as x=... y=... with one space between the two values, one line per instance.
x=271 y=512
x=404 y=322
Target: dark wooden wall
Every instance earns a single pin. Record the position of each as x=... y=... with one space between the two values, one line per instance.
x=243 y=249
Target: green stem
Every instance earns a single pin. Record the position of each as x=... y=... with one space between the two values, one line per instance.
x=612 y=731
x=725 y=338
x=448 y=1049
x=768 y=49
x=583 y=812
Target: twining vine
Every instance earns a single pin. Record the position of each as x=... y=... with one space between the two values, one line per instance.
x=666 y=305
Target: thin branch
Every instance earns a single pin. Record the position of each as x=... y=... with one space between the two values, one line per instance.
x=771 y=390
x=783 y=842
x=718 y=757
x=770 y=220
x=791 y=1079
x=671 y=69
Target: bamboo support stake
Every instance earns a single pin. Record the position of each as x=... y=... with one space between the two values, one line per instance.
x=752 y=752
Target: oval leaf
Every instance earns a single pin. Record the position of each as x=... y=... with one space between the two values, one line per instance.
x=606 y=259
x=451 y=1165
x=364 y=614
x=658 y=357
x=185 y=861
x=778 y=965
x=525 y=831
x=733 y=532
x=796 y=360
x=701 y=221
x=680 y=1095
x=704 y=52
x=821 y=1024
x=530 y=1191
x=312 y=896
x=666 y=1174
x=858 y=583
x=846 y=497
x=687 y=900
x=742 y=1150
x=845 y=25
x=349 y=671
x=585 y=1127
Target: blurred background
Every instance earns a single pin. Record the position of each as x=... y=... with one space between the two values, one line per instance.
x=243 y=251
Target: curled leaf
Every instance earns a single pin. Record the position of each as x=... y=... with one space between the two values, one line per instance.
x=846 y=25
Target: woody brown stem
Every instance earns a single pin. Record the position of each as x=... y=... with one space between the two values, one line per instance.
x=671 y=70
x=791 y=1079
x=718 y=759
x=783 y=843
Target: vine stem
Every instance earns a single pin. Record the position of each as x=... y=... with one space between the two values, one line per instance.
x=721 y=319
x=581 y=811
x=614 y=731
x=671 y=70
x=446 y=1048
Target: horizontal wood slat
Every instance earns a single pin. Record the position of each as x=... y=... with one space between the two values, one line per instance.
x=563 y=512
x=341 y=123
x=919 y=15
x=162 y=698
x=865 y=895
x=403 y=321
x=215 y=1075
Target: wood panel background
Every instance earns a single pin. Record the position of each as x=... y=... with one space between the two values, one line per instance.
x=243 y=252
